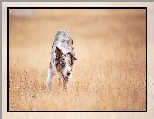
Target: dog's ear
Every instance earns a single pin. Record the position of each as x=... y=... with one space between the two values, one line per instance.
x=73 y=58
x=58 y=53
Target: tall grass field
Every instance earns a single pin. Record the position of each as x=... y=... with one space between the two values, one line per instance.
x=110 y=70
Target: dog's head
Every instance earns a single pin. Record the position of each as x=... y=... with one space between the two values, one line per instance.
x=64 y=63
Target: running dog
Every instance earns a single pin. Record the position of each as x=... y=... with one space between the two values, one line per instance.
x=62 y=58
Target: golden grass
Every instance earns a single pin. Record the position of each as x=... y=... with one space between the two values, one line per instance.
x=109 y=75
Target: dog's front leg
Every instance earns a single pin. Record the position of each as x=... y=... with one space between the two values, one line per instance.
x=49 y=78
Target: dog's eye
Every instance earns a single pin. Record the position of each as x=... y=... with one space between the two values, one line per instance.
x=62 y=64
x=57 y=58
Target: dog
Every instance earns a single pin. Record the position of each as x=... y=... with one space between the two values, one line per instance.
x=62 y=58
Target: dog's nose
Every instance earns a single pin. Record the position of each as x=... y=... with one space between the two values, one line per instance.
x=68 y=73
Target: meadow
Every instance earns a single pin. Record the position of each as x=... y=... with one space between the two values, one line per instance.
x=110 y=71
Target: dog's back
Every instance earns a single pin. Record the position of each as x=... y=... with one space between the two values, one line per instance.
x=63 y=40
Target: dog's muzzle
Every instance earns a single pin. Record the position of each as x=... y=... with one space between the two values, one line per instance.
x=65 y=78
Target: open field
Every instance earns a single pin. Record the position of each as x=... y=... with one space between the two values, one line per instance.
x=110 y=73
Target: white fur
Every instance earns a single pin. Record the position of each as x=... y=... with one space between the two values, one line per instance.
x=63 y=41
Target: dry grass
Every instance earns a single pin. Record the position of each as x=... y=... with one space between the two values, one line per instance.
x=110 y=73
